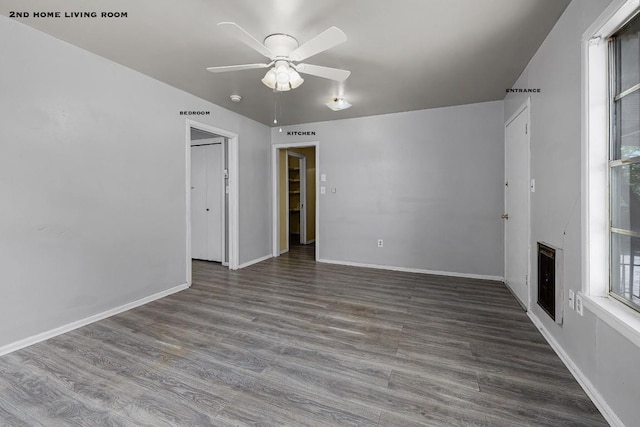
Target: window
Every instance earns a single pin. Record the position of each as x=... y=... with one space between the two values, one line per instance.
x=624 y=163
x=610 y=169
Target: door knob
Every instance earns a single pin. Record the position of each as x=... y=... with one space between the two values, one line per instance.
x=207 y=210
x=504 y=216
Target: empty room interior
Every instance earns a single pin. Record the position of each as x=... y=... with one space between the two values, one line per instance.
x=320 y=213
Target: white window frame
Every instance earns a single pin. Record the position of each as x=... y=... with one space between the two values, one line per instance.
x=595 y=172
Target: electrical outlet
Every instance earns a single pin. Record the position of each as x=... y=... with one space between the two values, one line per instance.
x=579 y=305
x=380 y=243
x=572 y=302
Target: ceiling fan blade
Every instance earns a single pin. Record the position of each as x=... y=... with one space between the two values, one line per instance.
x=225 y=68
x=325 y=72
x=238 y=32
x=323 y=41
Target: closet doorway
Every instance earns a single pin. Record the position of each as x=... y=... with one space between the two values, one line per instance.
x=207 y=198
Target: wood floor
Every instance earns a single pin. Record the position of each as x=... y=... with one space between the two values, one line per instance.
x=289 y=342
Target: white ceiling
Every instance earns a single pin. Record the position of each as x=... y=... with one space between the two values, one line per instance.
x=403 y=54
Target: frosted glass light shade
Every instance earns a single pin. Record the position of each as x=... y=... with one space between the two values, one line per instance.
x=294 y=78
x=269 y=79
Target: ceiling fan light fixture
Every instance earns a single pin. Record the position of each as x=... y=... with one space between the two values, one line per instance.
x=282 y=78
x=269 y=79
x=337 y=104
x=284 y=51
x=294 y=78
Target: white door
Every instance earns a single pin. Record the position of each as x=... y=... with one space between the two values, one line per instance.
x=206 y=202
x=516 y=214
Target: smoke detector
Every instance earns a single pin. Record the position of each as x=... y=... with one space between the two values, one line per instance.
x=235 y=98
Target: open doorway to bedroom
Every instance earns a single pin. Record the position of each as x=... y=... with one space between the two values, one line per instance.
x=211 y=160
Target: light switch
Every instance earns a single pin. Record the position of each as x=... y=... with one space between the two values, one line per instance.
x=579 y=304
x=323 y=177
x=572 y=304
x=323 y=190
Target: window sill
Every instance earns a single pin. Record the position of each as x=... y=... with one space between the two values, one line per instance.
x=615 y=314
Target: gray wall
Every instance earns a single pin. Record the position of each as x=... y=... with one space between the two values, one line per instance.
x=427 y=182
x=92 y=183
x=608 y=360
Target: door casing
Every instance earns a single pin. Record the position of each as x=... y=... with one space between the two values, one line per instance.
x=522 y=292
x=276 y=193
x=231 y=190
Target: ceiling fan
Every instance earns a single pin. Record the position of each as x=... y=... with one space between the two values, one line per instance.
x=285 y=54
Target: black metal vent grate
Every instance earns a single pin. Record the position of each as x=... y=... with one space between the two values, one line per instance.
x=547 y=279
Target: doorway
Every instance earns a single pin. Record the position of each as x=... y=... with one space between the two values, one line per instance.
x=296 y=198
x=295 y=203
x=208 y=204
x=227 y=191
x=517 y=192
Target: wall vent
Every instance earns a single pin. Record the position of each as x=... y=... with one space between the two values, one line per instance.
x=550 y=289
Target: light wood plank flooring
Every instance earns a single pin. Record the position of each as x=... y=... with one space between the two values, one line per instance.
x=289 y=342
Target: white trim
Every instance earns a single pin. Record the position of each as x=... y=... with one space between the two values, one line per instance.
x=582 y=379
x=623 y=319
x=525 y=106
x=275 y=192
x=223 y=204
x=234 y=203
x=611 y=19
x=275 y=208
x=595 y=238
x=308 y=242
x=284 y=251
x=187 y=191
x=287 y=207
x=26 y=342
x=255 y=261
x=595 y=172
x=414 y=270
x=233 y=207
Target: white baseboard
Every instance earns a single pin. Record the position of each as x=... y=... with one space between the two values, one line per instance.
x=308 y=242
x=26 y=342
x=414 y=270
x=584 y=382
x=255 y=261
x=284 y=251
